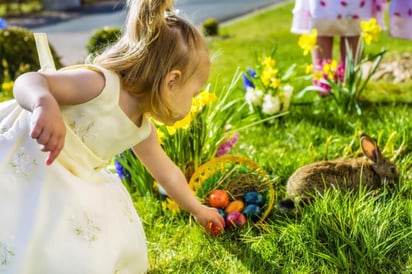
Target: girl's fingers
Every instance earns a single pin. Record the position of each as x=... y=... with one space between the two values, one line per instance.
x=52 y=156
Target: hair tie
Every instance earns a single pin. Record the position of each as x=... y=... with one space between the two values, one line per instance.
x=172 y=15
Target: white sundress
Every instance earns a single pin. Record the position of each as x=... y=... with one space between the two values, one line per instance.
x=333 y=17
x=400 y=19
x=74 y=216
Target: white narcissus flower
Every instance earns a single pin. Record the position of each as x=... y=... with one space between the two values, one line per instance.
x=254 y=96
x=271 y=104
x=287 y=96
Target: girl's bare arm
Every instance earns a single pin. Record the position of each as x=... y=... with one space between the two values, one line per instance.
x=42 y=93
x=167 y=174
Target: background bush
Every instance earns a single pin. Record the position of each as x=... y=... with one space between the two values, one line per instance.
x=102 y=38
x=210 y=27
x=18 y=53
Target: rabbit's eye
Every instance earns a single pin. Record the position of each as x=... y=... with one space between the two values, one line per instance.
x=392 y=170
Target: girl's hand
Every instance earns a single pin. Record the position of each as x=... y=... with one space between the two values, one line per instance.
x=210 y=219
x=48 y=128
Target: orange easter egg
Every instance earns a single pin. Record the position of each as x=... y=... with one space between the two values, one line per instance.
x=219 y=198
x=236 y=205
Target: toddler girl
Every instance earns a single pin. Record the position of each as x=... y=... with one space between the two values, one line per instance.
x=60 y=210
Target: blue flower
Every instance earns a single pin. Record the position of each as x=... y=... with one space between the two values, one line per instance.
x=247 y=83
x=3 y=23
x=251 y=72
x=121 y=171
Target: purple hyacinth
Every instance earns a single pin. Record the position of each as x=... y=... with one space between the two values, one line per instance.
x=324 y=90
x=227 y=146
x=123 y=173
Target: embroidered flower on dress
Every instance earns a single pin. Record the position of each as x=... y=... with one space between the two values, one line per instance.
x=83 y=128
x=5 y=254
x=23 y=162
x=88 y=230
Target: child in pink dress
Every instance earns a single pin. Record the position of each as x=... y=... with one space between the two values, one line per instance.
x=400 y=19
x=334 y=18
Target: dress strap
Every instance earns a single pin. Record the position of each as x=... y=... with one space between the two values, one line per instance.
x=44 y=53
x=81 y=162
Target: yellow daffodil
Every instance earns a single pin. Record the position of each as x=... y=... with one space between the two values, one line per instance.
x=309 y=68
x=268 y=74
x=155 y=186
x=170 y=205
x=308 y=41
x=183 y=124
x=201 y=100
x=268 y=62
x=370 y=30
x=317 y=75
x=198 y=102
x=274 y=83
x=160 y=136
x=330 y=68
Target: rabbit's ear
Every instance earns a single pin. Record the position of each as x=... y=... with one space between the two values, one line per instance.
x=370 y=149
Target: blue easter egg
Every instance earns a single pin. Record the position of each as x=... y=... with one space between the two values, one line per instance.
x=221 y=212
x=252 y=212
x=254 y=197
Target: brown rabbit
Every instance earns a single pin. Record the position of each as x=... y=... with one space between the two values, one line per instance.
x=343 y=174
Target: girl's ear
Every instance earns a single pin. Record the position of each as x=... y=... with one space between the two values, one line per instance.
x=172 y=79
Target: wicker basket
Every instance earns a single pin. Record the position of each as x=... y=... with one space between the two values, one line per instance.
x=236 y=175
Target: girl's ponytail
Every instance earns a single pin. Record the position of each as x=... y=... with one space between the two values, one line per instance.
x=146 y=19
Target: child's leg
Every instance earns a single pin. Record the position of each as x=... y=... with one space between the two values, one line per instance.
x=352 y=42
x=323 y=51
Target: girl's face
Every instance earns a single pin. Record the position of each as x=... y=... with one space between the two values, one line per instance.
x=184 y=91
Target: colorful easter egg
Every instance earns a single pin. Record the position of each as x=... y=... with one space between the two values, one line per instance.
x=215 y=229
x=252 y=212
x=236 y=205
x=254 y=197
x=221 y=212
x=219 y=198
x=235 y=219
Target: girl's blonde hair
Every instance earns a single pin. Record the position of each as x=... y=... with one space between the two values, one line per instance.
x=155 y=41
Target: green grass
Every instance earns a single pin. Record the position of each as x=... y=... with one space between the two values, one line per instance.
x=339 y=233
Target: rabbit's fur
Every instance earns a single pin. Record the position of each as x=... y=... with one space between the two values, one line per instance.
x=343 y=174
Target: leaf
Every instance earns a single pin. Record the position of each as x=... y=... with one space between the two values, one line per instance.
x=309 y=89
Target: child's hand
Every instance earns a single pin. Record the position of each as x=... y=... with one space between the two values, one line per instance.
x=211 y=220
x=49 y=130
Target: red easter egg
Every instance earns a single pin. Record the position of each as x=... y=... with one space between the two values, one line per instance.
x=219 y=198
x=215 y=229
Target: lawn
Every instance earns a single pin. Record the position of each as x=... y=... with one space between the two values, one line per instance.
x=364 y=232
x=338 y=233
